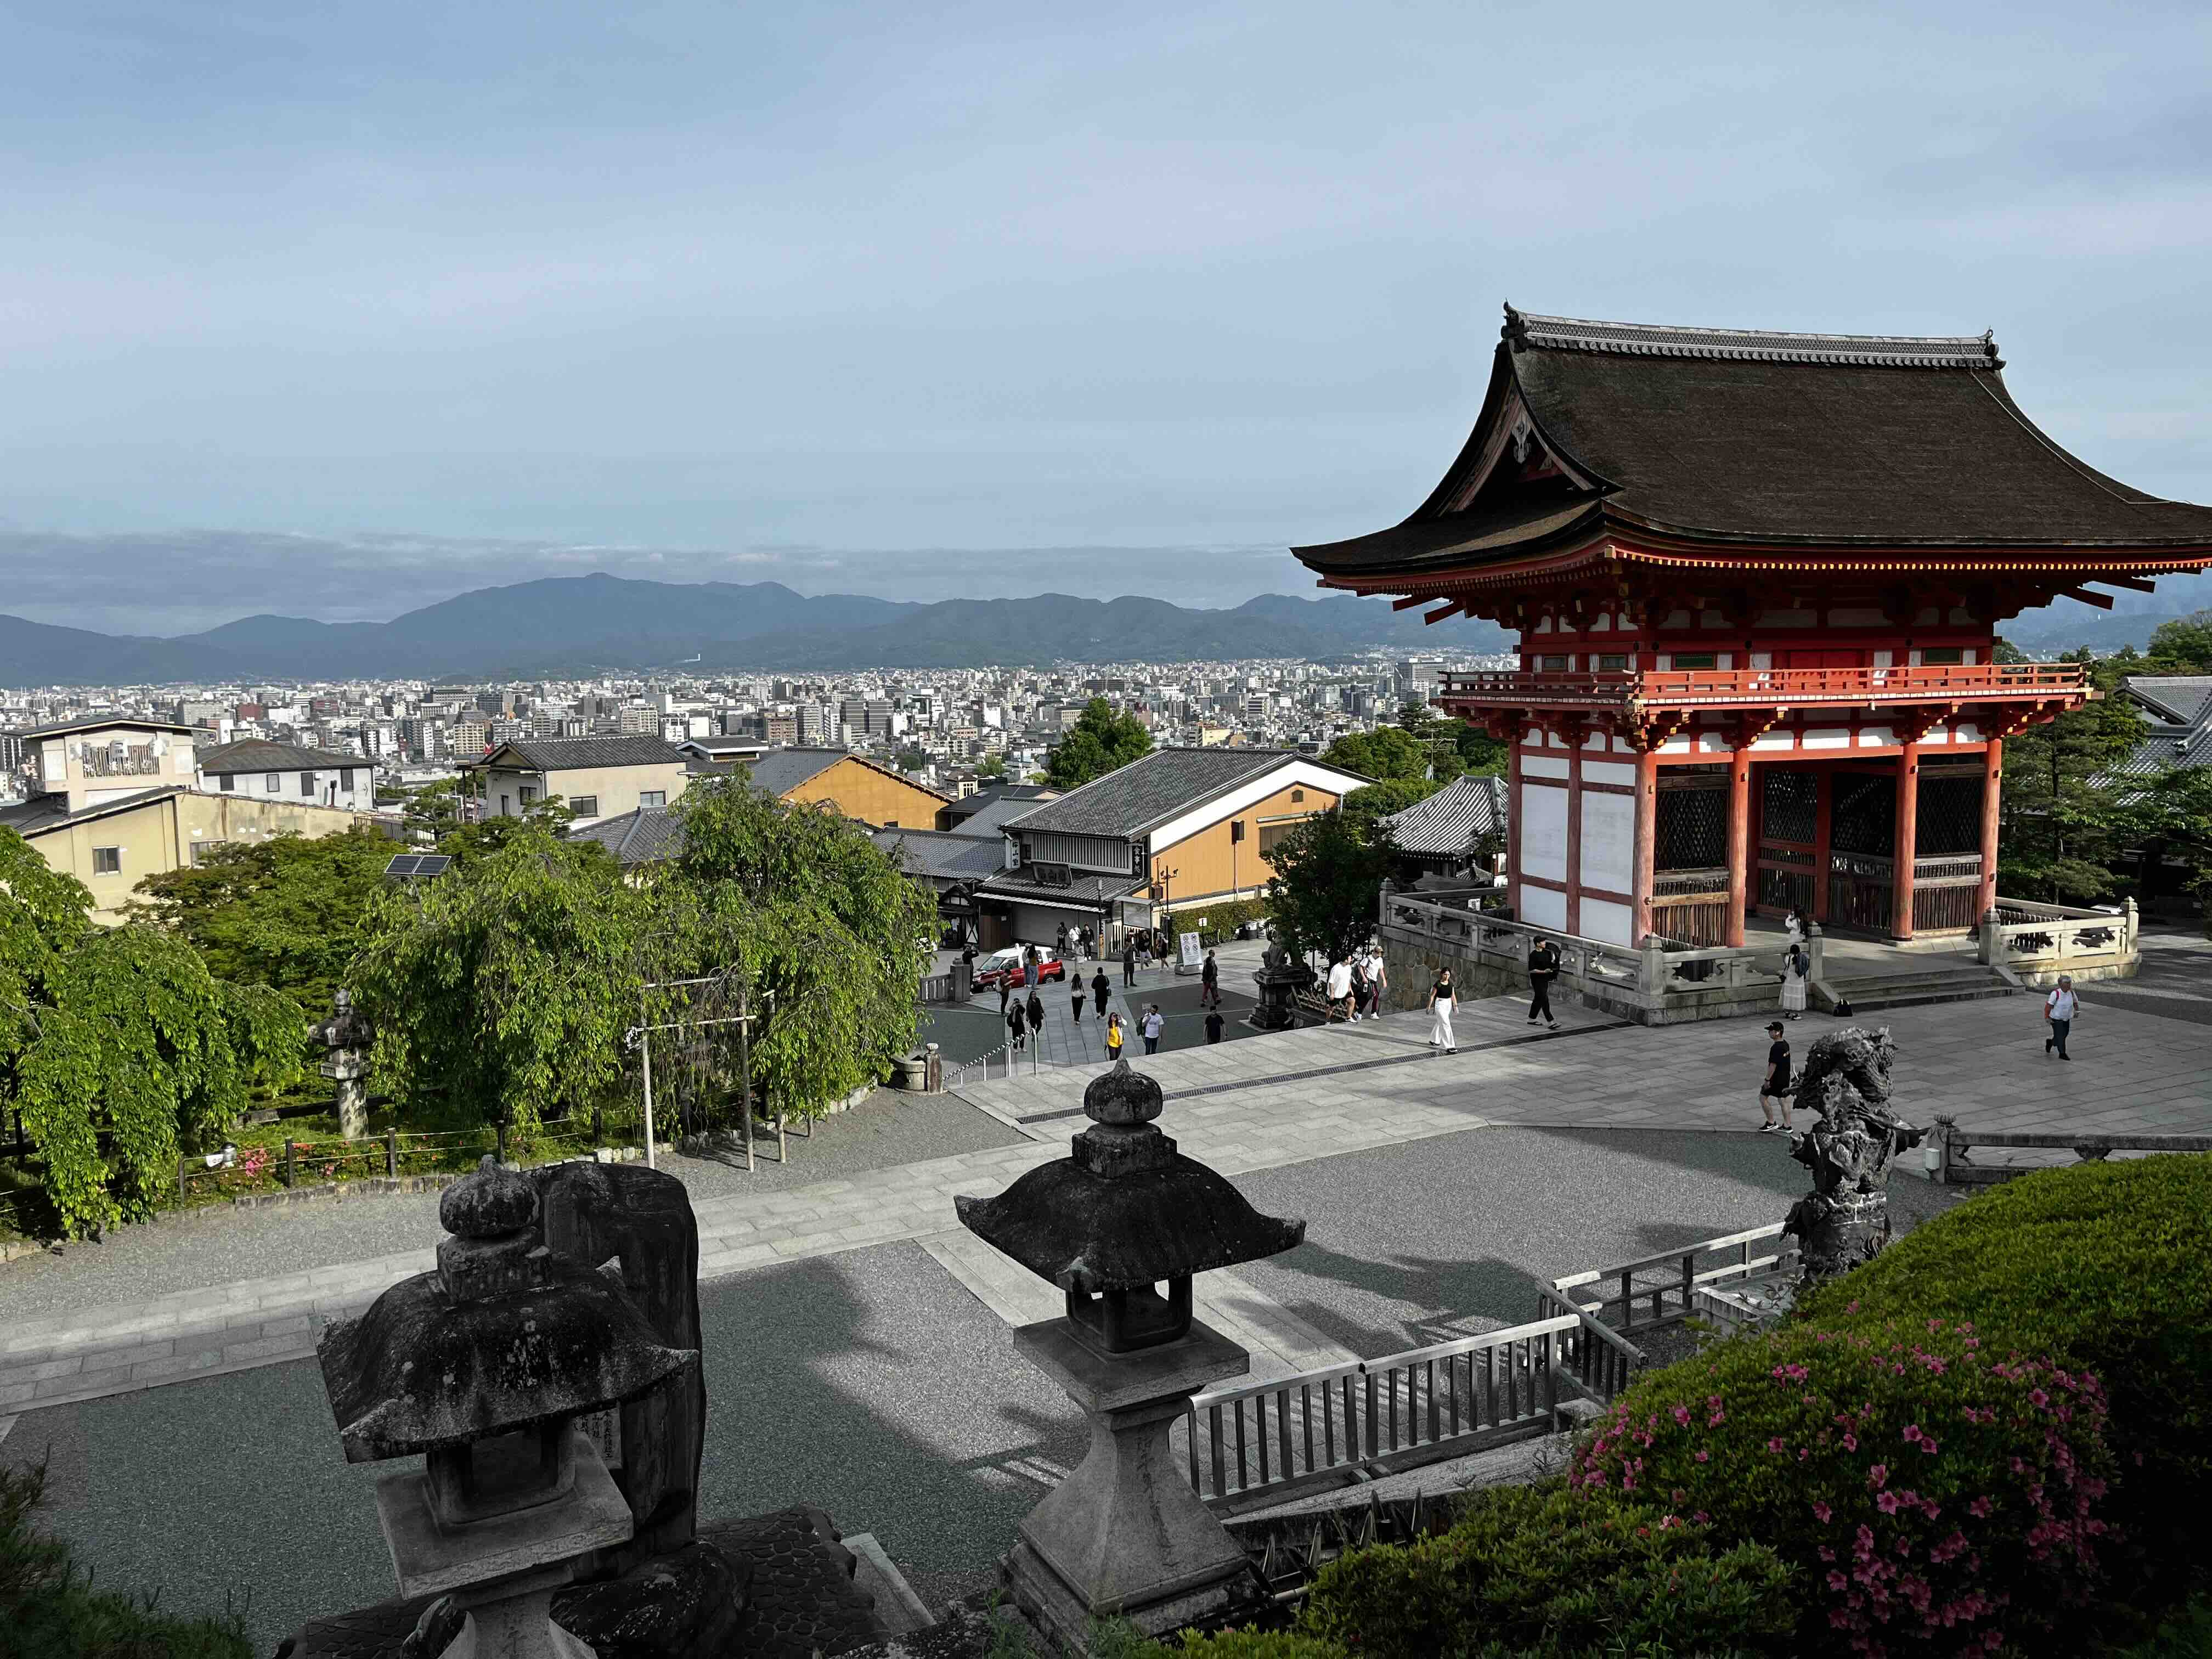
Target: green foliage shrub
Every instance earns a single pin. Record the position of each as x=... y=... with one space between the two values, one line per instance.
x=1551 y=1572
x=1249 y=1644
x=2103 y=1266
x=1938 y=1495
x=49 y=1611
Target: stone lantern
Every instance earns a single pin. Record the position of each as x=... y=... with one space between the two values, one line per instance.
x=483 y=1366
x=347 y=1036
x=1121 y=1226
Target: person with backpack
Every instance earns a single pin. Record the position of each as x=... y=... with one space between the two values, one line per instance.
x=1795 y=969
x=2058 y=1010
x=1774 y=1086
x=1543 y=968
x=1357 y=964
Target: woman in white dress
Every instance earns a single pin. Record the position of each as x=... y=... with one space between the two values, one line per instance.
x=1443 y=1001
x=1795 y=969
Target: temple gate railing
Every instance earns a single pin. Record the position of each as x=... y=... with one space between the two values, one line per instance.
x=2041 y=941
x=1797 y=687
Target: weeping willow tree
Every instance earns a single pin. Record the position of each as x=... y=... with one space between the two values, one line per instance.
x=117 y=1046
x=824 y=934
x=500 y=992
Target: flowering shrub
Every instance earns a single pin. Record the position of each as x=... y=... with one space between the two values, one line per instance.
x=2104 y=1267
x=1938 y=1496
x=1548 y=1572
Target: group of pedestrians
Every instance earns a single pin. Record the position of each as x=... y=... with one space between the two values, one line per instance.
x=1356 y=983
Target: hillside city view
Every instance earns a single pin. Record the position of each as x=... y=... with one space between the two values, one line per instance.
x=1224 y=832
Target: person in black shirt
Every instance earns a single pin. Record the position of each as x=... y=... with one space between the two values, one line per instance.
x=1543 y=968
x=1034 y=1007
x=1100 y=989
x=1774 y=1087
x=1209 y=983
x=1213 y=1024
x=1128 y=962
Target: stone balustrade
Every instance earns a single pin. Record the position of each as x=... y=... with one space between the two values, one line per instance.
x=2037 y=943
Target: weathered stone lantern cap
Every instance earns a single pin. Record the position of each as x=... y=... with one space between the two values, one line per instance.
x=1125 y=1210
x=503 y=1335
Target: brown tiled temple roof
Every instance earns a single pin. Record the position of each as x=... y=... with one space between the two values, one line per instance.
x=1733 y=437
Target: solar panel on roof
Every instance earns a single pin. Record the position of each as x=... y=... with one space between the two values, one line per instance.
x=417 y=867
x=403 y=865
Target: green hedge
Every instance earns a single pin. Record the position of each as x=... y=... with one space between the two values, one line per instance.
x=2106 y=1266
x=1936 y=1495
x=48 y=1610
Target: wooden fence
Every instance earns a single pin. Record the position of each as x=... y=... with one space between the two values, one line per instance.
x=1661 y=1290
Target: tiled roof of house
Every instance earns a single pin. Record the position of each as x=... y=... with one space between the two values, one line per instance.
x=780 y=771
x=1448 y=821
x=41 y=813
x=585 y=754
x=1082 y=891
x=644 y=836
x=96 y=722
x=2177 y=722
x=260 y=755
x=1151 y=790
x=945 y=855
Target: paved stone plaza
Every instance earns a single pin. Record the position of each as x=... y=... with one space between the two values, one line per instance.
x=857 y=1354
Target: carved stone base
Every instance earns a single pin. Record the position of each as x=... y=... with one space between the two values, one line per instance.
x=1124 y=1536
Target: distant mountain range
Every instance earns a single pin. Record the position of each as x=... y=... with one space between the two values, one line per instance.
x=577 y=625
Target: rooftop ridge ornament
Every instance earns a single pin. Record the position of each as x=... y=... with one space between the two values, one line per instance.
x=1752 y=345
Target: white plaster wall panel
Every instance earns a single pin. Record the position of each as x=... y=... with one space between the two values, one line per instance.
x=1773 y=741
x=1543 y=624
x=1676 y=619
x=1553 y=740
x=1965 y=732
x=1762 y=660
x=1608 y=772
x=1544 y=832
x=1828 y=737
x=1622 y=746
x=1873 y=737
x=1884 y=659
x=1541 y=907
x=1675 y=746
x=1790 y=619
x=1603 y=624
x=1595 y=740
x=1543 y=766
x=1608 y=845
x=1603 y=919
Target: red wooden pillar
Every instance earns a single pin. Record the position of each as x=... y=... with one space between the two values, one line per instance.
x=1513 y=825
x=1647 y=843
x=1574 y=735
x=1985 y=896
x=1739 y=842
x=1824 y=807
x=1908 y=838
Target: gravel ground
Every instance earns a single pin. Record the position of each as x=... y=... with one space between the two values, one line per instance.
x=193 y=1251
x=870 y=1383
x=1436 y=1239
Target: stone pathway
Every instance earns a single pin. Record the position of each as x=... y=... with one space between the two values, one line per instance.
x=1240 y=1107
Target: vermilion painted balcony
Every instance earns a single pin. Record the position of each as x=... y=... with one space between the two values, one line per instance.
x=1767 y=688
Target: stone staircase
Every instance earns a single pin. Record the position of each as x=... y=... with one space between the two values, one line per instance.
x=1941 y=979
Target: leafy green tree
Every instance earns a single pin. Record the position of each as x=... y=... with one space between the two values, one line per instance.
x=500 y=993
x=2181 y=647
x=2171 y=817
x=1386 y=753
x=121 y=1037
x=287 y=913
x=993 y=766
x=2063 y=813
x=828 y=936
x=1101 y=741
x=1328 y=879
x=439 y=806
x=913 y=760
x=465 y=843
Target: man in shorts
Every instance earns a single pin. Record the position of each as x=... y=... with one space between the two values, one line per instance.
x=1774 y=1087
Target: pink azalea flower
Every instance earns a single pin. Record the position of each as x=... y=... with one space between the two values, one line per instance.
x=1823 y=1513
x=1878 y=1476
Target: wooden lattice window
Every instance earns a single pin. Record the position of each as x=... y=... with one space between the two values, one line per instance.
x=1691 y=829
x=1789 y=807
x=1950 y=816
x=1865 y=816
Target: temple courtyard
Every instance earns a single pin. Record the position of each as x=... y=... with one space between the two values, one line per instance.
x=856 y=1340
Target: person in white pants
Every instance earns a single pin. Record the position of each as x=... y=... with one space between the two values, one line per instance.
x=1443 y=999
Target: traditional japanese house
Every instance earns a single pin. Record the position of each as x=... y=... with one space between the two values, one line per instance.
x=1758 y=579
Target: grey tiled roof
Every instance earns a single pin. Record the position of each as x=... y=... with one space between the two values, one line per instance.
x=2177 y=722
x=1089 y=890
x=945 y=855
x=259 y=755
x=1151 y=790
x=577 y=754
x=1447 y=821
x=648 y=834
x=993 y=816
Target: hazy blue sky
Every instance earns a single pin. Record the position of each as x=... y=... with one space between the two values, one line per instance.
x=885 y=298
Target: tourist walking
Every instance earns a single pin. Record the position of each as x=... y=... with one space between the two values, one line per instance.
x=1340 y=990
x=1213 y=1024
x=1795 y=972
x=1444 y=1003
x=1100 y=988
x=1128 y=962
x=1035 y=1008
x=1209 y=983
x=1005 y=990
x=1018 y=1029
x=1359 y=961
x=1377 y=982
x=1153 y=1027
x=1078 y=993
x=1543 y=968
x=1059 y=941
x=2059 y=1010
x=1774 y=1084
x=1114 y=1036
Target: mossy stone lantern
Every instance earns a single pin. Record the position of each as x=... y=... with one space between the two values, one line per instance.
x=1121 y=1226
x=483 y=1366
